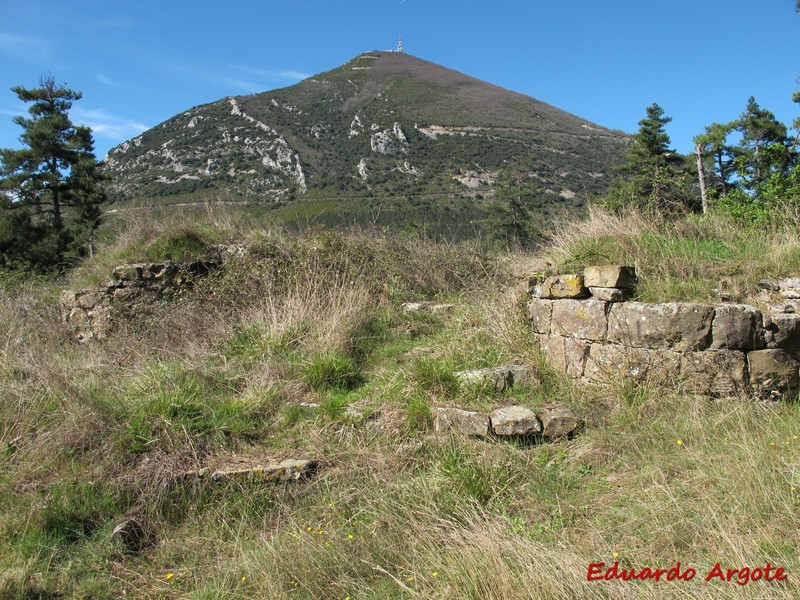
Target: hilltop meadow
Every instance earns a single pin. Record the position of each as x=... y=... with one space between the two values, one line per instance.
x=298 y=347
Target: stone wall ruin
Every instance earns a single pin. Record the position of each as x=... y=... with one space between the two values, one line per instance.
x=588 y=330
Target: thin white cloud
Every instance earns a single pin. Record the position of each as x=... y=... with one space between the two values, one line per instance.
x=103 y=79
x=271 y=75
x=28 y=48
x=106 y=125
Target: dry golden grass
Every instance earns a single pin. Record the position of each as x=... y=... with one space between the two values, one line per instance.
x=91 y=435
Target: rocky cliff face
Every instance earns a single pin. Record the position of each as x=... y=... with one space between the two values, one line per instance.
x=382 y=123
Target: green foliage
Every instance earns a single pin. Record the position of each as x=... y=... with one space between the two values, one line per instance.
x=436 y=376
x=756 y=180
x=177 y=402
x=655 y=178
x=179 y=245
x=418 y=413
x=332 y=370
x=75 y=510
x=511 y=215
x=49 y=190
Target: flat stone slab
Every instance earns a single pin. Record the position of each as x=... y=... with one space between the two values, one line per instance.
x=674 y=325
x=609 y=276
x=514 y=421
x=499 y=378
x=456 y=420
x=433 y=307
x=287 y=470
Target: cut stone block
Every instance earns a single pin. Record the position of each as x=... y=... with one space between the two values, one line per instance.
x=737 y=327
x=678 y=326
x=784 y=330
x=456 y=420
x=514 y=421
x=540 y=313
x=607 y=294
x=566 y=355
x=774 y=371
x=558 y=421
x=582 y=319
x=720 y=373
x=562 y=286
x=609 y=276
x=612 y=362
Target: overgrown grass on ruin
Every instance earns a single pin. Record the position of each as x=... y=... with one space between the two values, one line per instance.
x=261 y=361
x=694 y=258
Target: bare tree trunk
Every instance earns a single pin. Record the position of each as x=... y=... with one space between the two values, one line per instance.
x=701 y=173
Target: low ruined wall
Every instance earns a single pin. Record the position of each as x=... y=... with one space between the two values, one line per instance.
x=90 y=314
x=589 y=331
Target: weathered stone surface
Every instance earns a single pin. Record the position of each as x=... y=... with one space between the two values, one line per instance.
x=514 y=421
x=562 y=286
x=87 y=300
x=290 y=469
x=784 y=332
x=566 y=355
x=127 y=272
x=678 y=326
x=612 y=362
x=789 y=287
x=609 y=276
x=714 y=373
x=607 y=294
x=540 y=312
x=456 y=420
x=125 y=293
x=774 y=371
x=558 y=421
x=582 y=319
x=88 y=313
x=433 y=307
x=737 y=327
x=498 y=378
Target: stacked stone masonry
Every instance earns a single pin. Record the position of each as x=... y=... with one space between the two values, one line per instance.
x=89 y=314
x=588 y=331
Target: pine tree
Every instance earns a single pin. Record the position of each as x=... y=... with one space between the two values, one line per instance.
x=657 y=178
x=51 y=187
x=719 y=154
x=765 y=149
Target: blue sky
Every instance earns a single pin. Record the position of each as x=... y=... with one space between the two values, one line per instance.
x=140 y=62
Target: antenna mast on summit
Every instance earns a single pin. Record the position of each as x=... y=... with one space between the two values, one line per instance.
x=400 y=44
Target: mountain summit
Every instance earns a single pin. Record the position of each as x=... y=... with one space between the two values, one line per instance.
x=384 y=123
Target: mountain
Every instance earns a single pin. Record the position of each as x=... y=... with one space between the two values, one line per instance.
x=382 y=124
